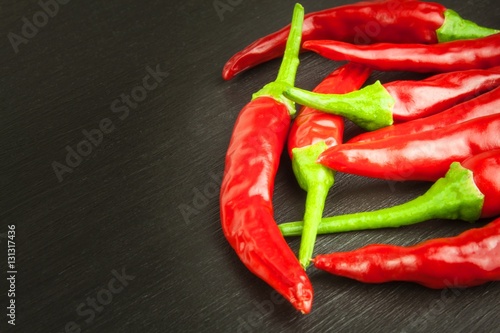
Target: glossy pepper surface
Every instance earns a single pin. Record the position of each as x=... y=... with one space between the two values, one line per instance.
x=311 y=133
x=252 y=160
x=481 y=53
x=365 y=22
x=469 y=191
x=481 y=106
x=469 y=259
x=378 y=105
x=419 y=156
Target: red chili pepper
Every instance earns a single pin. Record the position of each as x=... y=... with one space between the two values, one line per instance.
x=366 y=22
x=376 y=106
x=469 y=191
x=445 y=57
x=252 y=160
x=312 y=133
x=483 y=105
x=418 y=156
x=469 y=259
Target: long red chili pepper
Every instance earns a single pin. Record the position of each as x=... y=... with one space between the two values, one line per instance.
x=483 y=105
x=376 y=106
x=445 y=57
x=366 y=22
x=419 y=156
x=469 y=191
x=252 y=160
x=312 y=133
x=469 y=259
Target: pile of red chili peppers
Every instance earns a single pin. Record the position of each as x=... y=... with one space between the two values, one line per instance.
x=443 y=129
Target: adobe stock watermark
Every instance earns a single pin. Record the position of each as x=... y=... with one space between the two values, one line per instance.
x=420 y=320
x=253 y=320
x=201 y=198
x=30 y=28
x=121 y=108
x=221 y=7
x=96 y=304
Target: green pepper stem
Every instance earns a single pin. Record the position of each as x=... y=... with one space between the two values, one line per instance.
x=289 y=64
x=454 y=196
x=455 y=27
x=316 y=180
x=315 y=204
x=370 y=107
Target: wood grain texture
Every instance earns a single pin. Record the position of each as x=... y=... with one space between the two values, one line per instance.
x=120 y=209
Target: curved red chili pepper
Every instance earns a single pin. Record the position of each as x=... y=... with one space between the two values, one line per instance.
x=349 y=23
x=246 y=200
x=365 y=22
x=251 y=163
x=312 y=133
x=444 y=57
x=469 y=259
x=418 y=156
x=483 y=105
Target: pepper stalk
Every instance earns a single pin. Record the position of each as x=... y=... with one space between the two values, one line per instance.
x=455 y=28
x=289 y=64
x=316 y=180
x=369 y=107
x=454 y=196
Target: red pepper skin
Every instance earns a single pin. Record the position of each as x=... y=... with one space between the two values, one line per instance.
x=312 y=126
x=392 y=21
x=481 y=53
x=485 y=168
x=469 y=259
x=420 y=156
x=481 y=106
x=246 y=200
x=417 y=99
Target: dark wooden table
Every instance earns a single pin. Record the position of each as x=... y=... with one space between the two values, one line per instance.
x=115 y=122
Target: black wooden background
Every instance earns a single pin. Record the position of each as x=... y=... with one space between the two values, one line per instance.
x=105 y=247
